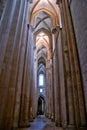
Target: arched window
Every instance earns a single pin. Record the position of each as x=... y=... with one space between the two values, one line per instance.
x=41 y=90
x=41 y=80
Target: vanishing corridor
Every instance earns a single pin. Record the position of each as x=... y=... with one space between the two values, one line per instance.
x=43 y=64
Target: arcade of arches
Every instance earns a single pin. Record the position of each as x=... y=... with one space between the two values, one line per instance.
x=43 y=63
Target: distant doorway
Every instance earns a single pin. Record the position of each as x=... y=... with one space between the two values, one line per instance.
x=41 y=106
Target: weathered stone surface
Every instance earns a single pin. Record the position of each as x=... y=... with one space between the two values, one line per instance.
x=78 y=11
x=39 y=38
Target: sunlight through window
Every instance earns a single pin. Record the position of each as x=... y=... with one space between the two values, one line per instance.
x=41 y=80
x=41 y=90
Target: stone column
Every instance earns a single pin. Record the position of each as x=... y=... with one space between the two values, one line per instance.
x=27 y=85
x=52 y=90
x=78 y=102
x=67 y=71
x=20 y=71
x=73 y=76
x=77 y=90
x=47 y=89
x=35 y=72
x=11 y=27
x=31 y=81
x=62 y=81
x=53 y=119
x=56 y=83
x=33 y=96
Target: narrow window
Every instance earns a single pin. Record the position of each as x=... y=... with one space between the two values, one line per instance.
x=41 y=90
x=41 y=80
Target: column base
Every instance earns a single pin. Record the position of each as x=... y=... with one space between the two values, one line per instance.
x=71 y=127
x=31 y=120
x=57 y=124
x=24 y=125
x=82 y=128
x=15 y=129
x=53 y=120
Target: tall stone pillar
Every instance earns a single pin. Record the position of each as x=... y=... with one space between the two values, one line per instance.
x=53 y=102
x=10 y=42
x=27 y=85
x=68 y=80
x=76 y=110
x=22 y=56
x=63 y=109
x=80 y=117
x=36 y=79
x=48 y=88
x=52 y=90
x=56 y=83
x=31 y=79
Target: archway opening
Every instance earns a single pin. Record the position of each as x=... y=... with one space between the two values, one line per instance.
x=41 y=106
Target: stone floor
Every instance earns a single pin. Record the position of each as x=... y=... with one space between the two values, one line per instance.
x=42 y=123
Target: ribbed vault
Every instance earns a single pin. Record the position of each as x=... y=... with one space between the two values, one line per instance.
x=39 y=67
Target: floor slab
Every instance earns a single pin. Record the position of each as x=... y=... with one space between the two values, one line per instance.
x=42 y=123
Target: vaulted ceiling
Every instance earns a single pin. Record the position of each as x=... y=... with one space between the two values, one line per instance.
x=44 y=16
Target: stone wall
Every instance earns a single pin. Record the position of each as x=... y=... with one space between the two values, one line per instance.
x=79 y=16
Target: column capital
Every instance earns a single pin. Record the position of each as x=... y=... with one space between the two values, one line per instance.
x=56 y=29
